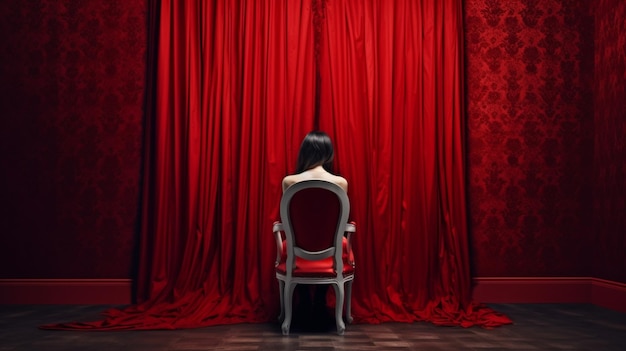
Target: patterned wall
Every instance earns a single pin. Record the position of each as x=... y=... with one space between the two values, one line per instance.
x=610 y=140
x=71 y=96
x=530 y=118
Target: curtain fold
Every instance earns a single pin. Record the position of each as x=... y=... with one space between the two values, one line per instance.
x=238 y=84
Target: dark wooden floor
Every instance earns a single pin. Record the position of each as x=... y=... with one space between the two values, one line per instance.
x=536 y=327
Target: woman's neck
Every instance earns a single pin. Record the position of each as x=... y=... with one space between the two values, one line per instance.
x=317 y=169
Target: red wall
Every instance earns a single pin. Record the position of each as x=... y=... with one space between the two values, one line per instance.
x=547 y=137
x=71 y=96
x=609 y=235
x=71 y=92
x=530 y=125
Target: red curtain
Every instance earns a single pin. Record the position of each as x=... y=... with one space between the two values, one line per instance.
x=238 y=85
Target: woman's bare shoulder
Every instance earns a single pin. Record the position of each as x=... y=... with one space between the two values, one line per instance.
x=341 y=181
x=289 y=181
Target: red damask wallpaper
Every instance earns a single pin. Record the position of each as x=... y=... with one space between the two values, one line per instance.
x=71 y=95
x=609 y=236
x=530 y=131
x=546 y=157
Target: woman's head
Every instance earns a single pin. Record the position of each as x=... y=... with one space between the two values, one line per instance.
x=316 y=150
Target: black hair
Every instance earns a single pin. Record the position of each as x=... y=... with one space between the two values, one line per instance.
x=316 y=150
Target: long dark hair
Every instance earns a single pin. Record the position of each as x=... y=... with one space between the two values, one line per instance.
x=316 y=150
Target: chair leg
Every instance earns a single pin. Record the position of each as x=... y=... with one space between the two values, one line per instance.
x=349 y=302
x=281 y=288
x=341 y=326
x=288 y=297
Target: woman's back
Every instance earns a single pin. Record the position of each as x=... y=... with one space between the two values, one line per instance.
x=315 y=173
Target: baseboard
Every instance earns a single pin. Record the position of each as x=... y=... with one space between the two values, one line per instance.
x=66 y=291
x=608 y=294
x=605 y=293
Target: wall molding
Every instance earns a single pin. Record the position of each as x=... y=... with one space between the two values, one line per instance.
x=66 y=291
x=605 y=293
x=608 y=294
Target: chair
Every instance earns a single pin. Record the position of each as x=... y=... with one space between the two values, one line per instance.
x=316 y=246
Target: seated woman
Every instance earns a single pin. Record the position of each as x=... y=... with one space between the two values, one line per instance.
x=315 y=160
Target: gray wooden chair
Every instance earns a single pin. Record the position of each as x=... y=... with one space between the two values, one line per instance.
x=313 y=245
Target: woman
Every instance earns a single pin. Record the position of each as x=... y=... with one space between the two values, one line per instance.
x=315 y=161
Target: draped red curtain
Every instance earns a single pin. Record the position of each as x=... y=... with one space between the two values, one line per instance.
x=238 y=85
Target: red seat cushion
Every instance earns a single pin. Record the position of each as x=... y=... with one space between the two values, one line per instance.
x=321 y=268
